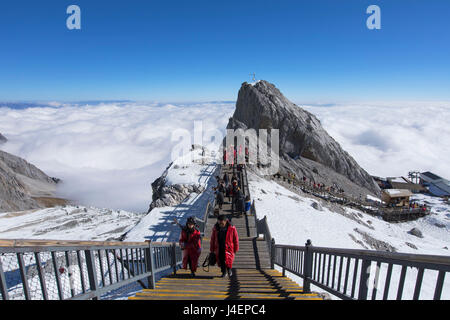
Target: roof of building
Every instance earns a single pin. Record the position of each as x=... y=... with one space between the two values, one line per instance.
x=431 y=175
x=398 y=193
x=398 y=179
x=444 y=185
x=379 y=178
x=438 y=182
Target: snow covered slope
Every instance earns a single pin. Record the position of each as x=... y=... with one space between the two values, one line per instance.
x=293 y=218
x=191 y=169
x=67 y=223
x=89 y=223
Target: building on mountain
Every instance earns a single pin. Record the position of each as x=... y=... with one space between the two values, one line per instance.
x=396 y=197
x=435 y=184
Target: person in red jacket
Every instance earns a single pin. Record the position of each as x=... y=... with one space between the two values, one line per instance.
x=224 y=243
x=191 y=245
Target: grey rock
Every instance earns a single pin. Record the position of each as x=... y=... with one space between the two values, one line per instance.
x=324 y=295
x=295 y=198
x=22 y=184
x=411 y=245
x=375 y=243
x=351 y=215
x=171 y=195
x=416 y=232
x=317 y=206
x=358 y=241
x=306 y=149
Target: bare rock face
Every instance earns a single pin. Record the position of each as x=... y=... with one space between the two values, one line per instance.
x=306 y=149
x=22 y=185
x=171 y=195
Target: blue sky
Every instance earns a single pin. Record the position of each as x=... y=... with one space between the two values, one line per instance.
x=313 y=50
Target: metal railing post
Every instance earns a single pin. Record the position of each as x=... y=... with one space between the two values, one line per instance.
x=307 y=267
x=150 y=265
x=23 y=274
x=3 y=286
x=272 y=254
x=364 y=279
x=284 y=261
x=92 y=272
x=174 y=258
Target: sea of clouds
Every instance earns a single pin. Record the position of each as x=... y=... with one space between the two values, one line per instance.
x=108 y=154
x=391 y=139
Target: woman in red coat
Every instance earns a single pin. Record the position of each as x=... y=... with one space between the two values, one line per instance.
x=191 y=245
x=225 y=244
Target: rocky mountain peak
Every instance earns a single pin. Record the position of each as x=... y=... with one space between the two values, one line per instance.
x=306 y=149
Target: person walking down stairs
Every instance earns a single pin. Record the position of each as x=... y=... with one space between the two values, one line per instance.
x=191 y=245
x=239 y=204
x=220 y=191
x=224 y=244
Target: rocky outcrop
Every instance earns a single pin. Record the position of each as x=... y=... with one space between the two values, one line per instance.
x=165 y=195
x=22 y=185
x=306 y=149
x=416 y=232
x=375 y=244
x=317 y=206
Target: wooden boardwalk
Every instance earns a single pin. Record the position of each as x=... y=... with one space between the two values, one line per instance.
x=252 y=277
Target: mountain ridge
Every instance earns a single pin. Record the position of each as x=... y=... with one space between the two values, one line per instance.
x=306 y=149
x=23 y=186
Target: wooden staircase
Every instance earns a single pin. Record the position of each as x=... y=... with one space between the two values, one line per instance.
x=244 y=284
x=252 y=276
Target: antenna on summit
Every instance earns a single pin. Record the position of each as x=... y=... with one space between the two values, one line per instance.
x=253 y=76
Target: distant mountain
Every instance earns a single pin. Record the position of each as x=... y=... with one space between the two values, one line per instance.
x=23 y=186
x=306 y=149
x=2 y=139
x=26 y=105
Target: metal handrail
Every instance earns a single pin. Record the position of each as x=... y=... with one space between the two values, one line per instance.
x=318 y=266
x=372 y=254
x=262 y=227
x=30 y=269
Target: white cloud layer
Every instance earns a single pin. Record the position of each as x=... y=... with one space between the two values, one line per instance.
x=391 y=139
x=109 y=154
